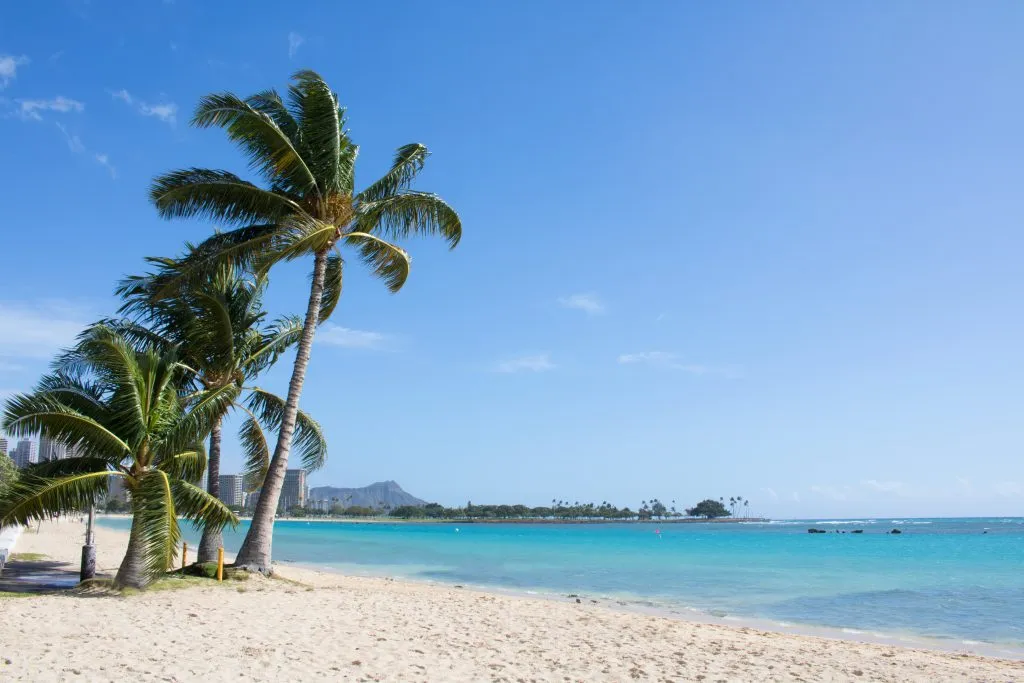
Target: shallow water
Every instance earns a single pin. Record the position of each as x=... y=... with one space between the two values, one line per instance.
x=940 y=578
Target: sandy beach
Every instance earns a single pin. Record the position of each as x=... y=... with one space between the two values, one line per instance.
x=325 y=626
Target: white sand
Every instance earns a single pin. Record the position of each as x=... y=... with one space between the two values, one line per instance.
x=363 y=629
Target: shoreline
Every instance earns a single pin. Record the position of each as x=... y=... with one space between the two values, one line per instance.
x=650 y=606
x=367 y=628
x=540 y=520
x=640 y=605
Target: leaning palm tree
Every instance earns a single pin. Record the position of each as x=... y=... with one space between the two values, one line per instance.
x=219 y=327
x=308 y=208
x=126 y=413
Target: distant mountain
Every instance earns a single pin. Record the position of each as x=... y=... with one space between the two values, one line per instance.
x=381 y=494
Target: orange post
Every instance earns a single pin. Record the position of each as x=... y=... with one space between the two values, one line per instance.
x=184 y=555
x=220 y=564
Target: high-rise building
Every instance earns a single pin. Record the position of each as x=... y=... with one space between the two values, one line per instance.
x=3 y=445
x=232 y=489
x=25 y=453
x=50 y=449
x=293 y=492
x=116 y=490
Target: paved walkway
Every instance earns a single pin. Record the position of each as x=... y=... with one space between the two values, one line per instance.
x=31 y=576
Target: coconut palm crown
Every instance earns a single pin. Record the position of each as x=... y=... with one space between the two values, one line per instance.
x=125 y=412
x=307 y=208
x=219 y=327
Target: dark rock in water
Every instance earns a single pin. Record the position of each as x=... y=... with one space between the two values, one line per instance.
x=857 y=531
x=578 y=601
x=812 y=530
x=895 y=531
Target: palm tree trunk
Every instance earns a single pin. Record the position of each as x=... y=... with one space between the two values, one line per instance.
x=254 y=554
x=213 y=538
x=132 y=572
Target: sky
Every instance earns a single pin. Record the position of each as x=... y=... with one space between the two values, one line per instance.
x=710 y=249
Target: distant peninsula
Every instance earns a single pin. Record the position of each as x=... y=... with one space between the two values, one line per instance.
x=386 y=499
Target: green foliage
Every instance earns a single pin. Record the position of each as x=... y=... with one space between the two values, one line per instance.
x=8 y=473
x=116 y=506
x=709 y=509
x=220 y=328
x=303 y=153
x=128 y=412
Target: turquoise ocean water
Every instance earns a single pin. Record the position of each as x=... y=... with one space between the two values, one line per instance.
x=957 y=580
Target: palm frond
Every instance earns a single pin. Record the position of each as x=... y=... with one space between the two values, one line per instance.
x=219 y=196
x=410 y=213
x=199 y=507
x=204 y=409
x=297 y=236
x=270 y=103
x=389 y=262
x=256 y=451
x=186 y=465
x=156 y=521
x=34 y=498
x=275 y=340
x=309 y=441
x=321 y=128
x=409 y=161
x=332 y=286
x=240 y=248
x=269 y=149
x=25 y=415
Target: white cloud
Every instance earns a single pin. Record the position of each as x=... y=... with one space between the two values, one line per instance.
x=795 y=497
x=649 y=357
x=540 y=362
x=29 y=109
x=885 y=486
x=1009 y=489
x=771 y=492
x=588 y=303
x=9 y=68
x=74 y=142
x=334 y=335
x=10 y=367
x=670 y=361
x=166 y=112
x=831 y=492
x=294 y=42
x=104 y=161
x=77 y=147
x=40 y=329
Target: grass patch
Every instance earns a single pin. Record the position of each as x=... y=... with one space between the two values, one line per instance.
x=26 y=557
x=12 y=594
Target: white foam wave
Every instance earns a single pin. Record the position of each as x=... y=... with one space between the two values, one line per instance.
x=848 y=521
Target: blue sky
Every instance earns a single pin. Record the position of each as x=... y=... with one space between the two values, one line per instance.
x=758 y=249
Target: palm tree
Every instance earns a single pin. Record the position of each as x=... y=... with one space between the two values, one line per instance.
x=309 y=208
x=219 y=328
x=746 y=508
x=125 y=411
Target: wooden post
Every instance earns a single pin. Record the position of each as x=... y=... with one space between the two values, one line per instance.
x=184 y=555
x=220 y=563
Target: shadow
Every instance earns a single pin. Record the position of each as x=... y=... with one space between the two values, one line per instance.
x=38 y=576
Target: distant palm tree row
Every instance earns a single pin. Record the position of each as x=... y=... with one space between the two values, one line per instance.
x=559 y=509
x=140 y=393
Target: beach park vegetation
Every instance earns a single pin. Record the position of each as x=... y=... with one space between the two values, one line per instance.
x=125 y=413
x=140 y=394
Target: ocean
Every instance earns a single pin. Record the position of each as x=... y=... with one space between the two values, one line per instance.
x=956 y=583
